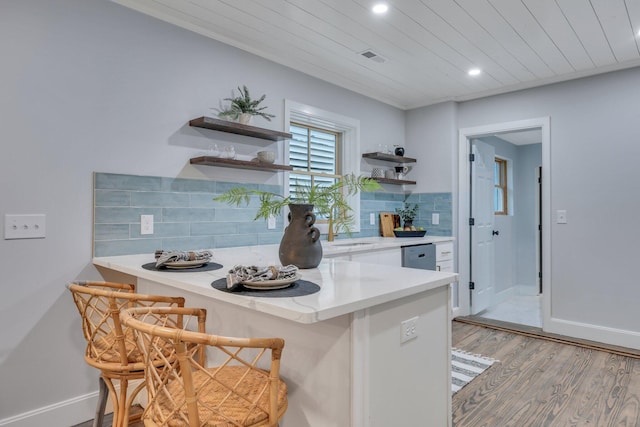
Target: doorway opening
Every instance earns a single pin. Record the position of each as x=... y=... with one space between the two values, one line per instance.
x=502 y=211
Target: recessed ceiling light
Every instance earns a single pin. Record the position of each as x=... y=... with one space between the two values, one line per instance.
x=380 y=8
x=475 y=71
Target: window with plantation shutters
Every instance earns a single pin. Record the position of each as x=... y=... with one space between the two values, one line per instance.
x=314 y=156
x=325 y=146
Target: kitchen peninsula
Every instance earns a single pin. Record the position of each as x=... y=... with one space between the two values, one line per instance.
x=344 y=362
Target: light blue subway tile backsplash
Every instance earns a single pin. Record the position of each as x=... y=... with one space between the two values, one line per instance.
x=113 y=198
x=186 y=216
x=159 y=199
x=120 y=215
x=127 y=182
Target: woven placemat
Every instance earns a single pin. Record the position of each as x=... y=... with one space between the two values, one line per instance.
x=206 y=267
x=297 y=289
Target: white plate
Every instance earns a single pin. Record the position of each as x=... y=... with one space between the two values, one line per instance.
x=271 y=284
x=186 y=264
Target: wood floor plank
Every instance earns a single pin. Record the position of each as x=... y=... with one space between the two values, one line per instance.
x=542 y=383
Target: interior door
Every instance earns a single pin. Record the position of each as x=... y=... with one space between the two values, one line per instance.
x=482 y=212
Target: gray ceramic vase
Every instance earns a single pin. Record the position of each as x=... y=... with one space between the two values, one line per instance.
x=300 y=244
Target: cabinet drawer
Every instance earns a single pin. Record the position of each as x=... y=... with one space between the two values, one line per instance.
x=446 y=266
x=444 y=251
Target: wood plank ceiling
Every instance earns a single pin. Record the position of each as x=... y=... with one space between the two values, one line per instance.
x=427 y=46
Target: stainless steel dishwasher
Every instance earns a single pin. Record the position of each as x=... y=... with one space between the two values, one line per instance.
x=421 y=256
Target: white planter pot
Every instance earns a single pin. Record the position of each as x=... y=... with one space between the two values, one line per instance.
x=244 y=119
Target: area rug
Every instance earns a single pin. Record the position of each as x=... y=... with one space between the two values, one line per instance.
x=465 y=367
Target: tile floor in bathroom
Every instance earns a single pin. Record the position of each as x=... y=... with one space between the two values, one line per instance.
x=521 y=309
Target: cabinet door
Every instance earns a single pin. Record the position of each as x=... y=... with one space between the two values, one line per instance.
x=444 y=251
x=445 y=266
x=444 y=257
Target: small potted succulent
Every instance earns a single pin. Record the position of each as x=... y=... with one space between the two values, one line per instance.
x=243 y=108
x=408 y=214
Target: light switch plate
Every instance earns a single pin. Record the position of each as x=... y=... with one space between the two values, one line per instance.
x=561 y=216
x=435 y=218
x=271 y=222
x=30 y=226
x=372 y=218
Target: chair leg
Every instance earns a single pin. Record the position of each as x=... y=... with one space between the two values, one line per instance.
x=103 y=393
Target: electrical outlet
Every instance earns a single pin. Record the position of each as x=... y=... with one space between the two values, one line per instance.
x=146 y=224
x=409 y=329
x=271 y=222
x=31 y=226
x=435 y=218
x=372 y=219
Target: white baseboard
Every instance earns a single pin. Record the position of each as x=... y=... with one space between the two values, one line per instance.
x=612 y=336
x=455 y=312
x=66 y=413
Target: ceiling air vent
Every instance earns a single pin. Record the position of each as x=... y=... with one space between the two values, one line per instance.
x=369 y=54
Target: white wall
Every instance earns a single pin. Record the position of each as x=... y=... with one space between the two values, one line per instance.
x=430 y=131
x=595 y=125
x=88 y=85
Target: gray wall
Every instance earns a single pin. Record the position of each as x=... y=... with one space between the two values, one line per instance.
x=595 y=125
x=529 y=157
x=431 y=135
x=88 y=85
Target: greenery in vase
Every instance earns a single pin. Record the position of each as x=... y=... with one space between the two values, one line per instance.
x=243 y=104
x=407 y=213
x=328 y=201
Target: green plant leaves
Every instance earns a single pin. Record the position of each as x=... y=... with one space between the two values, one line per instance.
x=243 y=104
x=329 y=201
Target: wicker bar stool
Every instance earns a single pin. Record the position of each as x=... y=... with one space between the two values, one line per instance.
x=243 y=389
x=112 y=347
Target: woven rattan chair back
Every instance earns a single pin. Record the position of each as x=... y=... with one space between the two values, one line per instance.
x=243 y=389
x=112 y=347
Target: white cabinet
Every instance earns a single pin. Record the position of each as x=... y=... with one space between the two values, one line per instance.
x=444 y=257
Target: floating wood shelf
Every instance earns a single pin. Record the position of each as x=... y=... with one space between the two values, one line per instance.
x=394 y=181
x=389 y=157
x=238 y=164
x=238 y=129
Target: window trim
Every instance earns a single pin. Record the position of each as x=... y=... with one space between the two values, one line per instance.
x=348 y=127
x=503 y=184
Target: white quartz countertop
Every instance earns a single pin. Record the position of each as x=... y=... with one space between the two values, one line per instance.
x=346 y=286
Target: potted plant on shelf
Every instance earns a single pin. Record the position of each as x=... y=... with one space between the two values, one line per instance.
x=243 y=108
x=408 y=214
x=300 y=244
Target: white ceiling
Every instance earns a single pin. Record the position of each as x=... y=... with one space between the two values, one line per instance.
x=429 y=45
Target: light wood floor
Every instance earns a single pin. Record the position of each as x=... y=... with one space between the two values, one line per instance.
x=541 y=383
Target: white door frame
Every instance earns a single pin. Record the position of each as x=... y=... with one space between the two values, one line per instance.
x=462 y=199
